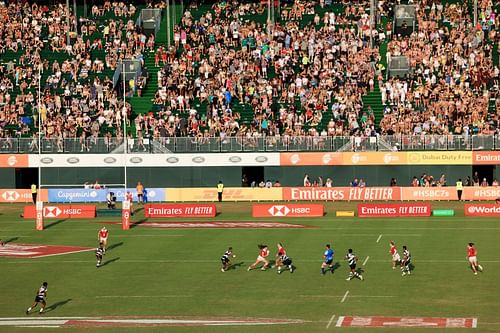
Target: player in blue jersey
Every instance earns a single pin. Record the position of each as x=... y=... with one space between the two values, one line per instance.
x=328 y=259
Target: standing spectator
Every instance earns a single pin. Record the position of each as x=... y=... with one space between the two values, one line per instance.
x=307 y=182
x=140 y=193
x=460 y=189
x=394 y=182
x=475 y=179
x=33 y=192
x=361 y=183
x=220 y=189
x=484 y=183
x=355 y=183
x=415 y=182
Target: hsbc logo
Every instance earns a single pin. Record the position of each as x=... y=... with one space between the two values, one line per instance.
x=279 y=210
x=289 y=210
x=52 y=211
x=10 y=195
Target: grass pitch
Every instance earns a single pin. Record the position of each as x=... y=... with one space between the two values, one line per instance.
x=153 y=272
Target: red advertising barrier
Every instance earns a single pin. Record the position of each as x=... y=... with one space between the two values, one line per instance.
x=62 y=211
x=429 y=193
x=342 y=193
x=180 y=210
x=481 y=193
x=481 y=210
x=287 y=210
x=394 y=210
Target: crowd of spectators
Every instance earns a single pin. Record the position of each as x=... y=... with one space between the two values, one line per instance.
x=453 y=73
x=303 y=75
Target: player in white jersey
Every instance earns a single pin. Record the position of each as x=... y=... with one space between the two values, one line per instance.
x=406 y=262
x=40 y=297
x=352 y=260
x=226 y=259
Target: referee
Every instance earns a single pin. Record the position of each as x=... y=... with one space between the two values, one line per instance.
x=220 y=189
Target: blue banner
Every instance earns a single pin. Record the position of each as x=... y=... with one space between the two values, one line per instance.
x=92 y=195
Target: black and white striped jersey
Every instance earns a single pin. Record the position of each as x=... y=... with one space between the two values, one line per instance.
x=351 y=258
x=406 y=255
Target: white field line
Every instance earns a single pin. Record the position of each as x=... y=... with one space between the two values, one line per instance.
x=366 y=260
x=345 y=297
x=474 y=323
x=39 y=326
x=379 y=237
x=352 y=296
x=188 y=261
x=143 y=296
x=159 y=235
x=340 y=321
x=330 y=322
x=61 y=254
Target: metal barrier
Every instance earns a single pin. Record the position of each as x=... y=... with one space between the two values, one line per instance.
x=105 y=145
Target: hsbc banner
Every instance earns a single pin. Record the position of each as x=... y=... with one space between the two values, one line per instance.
x=91 y=195
x=60 y=211
x=180 y=210
x=394 y=210
x=287 y=210
x=492 y=210
x=20 y=195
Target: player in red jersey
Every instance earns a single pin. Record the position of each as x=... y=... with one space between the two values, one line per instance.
x=281 y=252
x=472 y=257
x=102 y=237
x=396 y=259
x=263 y=254
x=129 y=197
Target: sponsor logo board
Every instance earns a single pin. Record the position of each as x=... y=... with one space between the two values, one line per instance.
x=37 y=250
x=405 y=322
x=482 y=210
x=394 y=210
x=428 y=193
x=14 y=161
x=204 y=194
x=62 y=211
x=180 y=210
x=486 y=157
x=481 y=193
x=440 y=158
x=297 y=159
x=374 y=158
x=287 y=210
x=342 y=193
x=91 y=195
x=20 y=195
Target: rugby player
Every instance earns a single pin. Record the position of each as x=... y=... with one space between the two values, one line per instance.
x=102 y=237
x=352 y=260
x=263 y=254
x=406 y=262
x=99 y=252
x=225 y=259
x=472 y=258
x=40 y=297
x=396 y=258
x=328 y=259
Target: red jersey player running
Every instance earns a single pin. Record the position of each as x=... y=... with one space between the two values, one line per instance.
x=263 y=254
x=102 y=237
x=396 y=259
x=472 y=257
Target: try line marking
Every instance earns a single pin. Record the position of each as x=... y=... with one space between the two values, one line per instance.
x=143 y=296
x=345 y=296
x=366 y=260
x=379 y=237
x=330 y=322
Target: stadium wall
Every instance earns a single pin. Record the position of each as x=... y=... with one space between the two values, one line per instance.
x=231 y=176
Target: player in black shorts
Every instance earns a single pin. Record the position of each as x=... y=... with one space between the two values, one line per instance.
x=99 y=252
x=285 y=261
x=225 y=259
x=352 y=259
x=40 y=297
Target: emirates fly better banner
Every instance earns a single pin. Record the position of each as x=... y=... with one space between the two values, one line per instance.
x=394 y=210
x=180 y=210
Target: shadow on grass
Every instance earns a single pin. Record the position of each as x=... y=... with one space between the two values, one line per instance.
x=114 y=246
x=10 y=240
x=54 y=306
x=137 y=223
x=236 y=265
x=53 y=224
x=107 y=262
x=336 y=266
